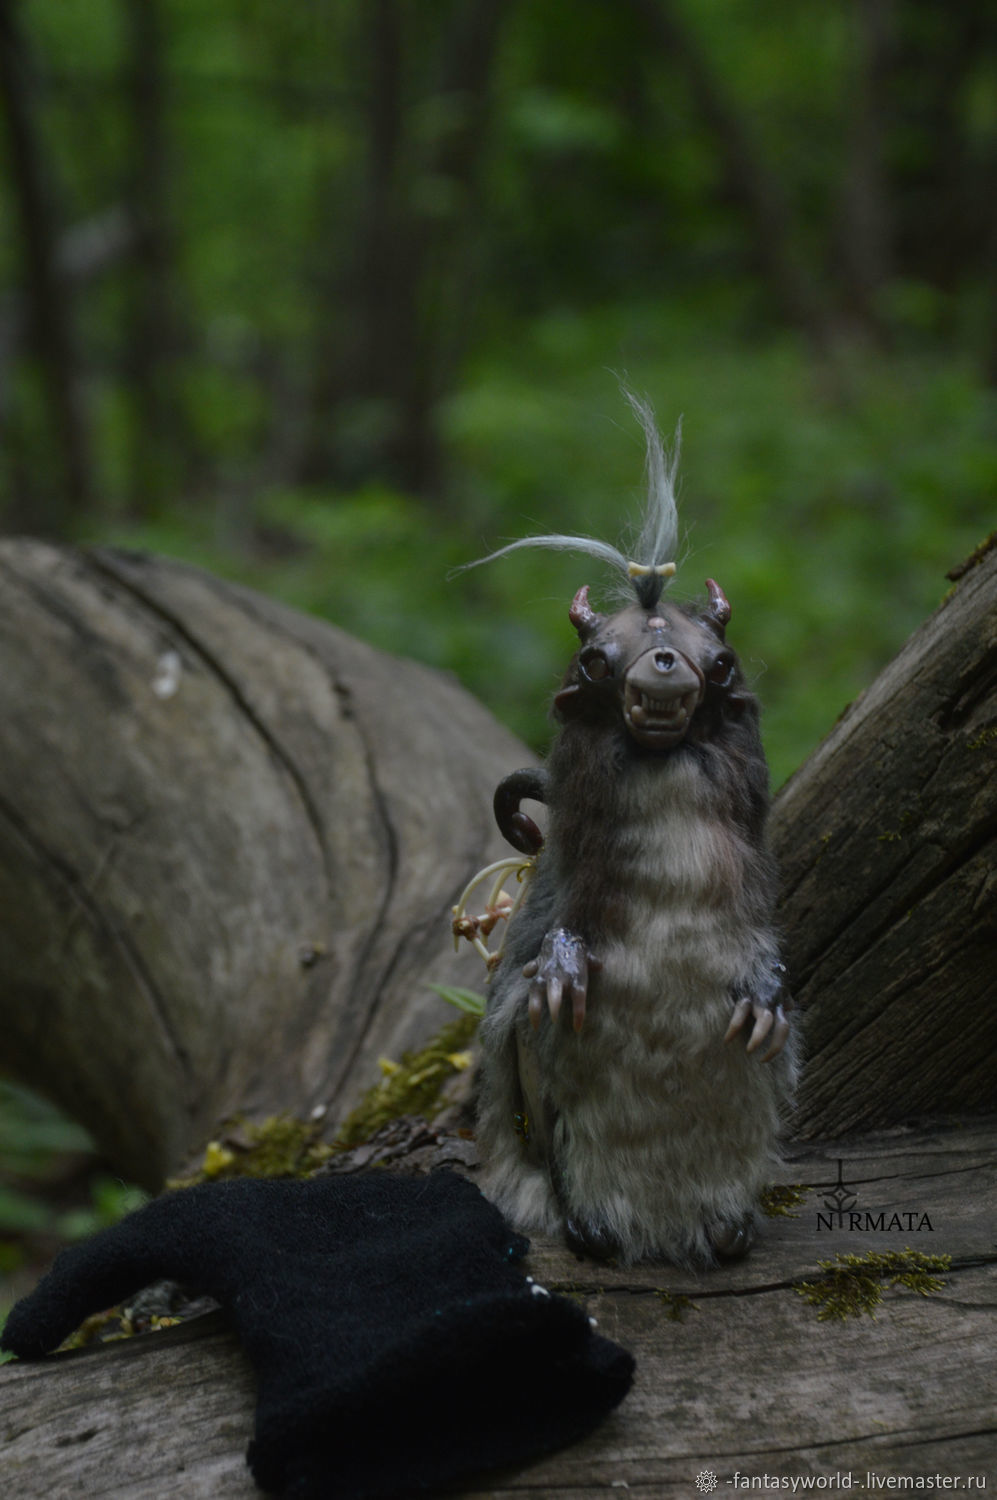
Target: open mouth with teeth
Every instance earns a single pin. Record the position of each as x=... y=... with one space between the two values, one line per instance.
x=659 y=721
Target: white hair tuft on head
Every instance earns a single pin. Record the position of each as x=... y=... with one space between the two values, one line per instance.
x=658 y=539
x=653 y=566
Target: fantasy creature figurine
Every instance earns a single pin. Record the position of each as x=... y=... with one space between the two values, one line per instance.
x=636 y=1054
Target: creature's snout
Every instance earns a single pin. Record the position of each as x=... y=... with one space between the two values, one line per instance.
x=662 y=690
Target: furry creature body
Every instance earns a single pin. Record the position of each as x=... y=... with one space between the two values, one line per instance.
x=636 y=1054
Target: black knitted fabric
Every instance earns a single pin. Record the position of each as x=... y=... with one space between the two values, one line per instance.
x=397 y=1345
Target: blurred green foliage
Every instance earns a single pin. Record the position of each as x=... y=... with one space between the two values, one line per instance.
x=376 y=265
x=34 y=1135
x=829 y=522
x=333 y=298
x=49 y=1192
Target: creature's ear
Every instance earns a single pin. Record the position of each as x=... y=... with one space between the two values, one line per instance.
x=718 y=610
x=581 y=614
x=568 y=702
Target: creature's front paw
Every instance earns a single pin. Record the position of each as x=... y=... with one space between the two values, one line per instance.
x=766 y=1014
x=561 y=968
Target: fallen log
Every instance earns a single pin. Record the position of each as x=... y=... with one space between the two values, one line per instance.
x=230 y=837
x=736 y=1374
x=887 y=842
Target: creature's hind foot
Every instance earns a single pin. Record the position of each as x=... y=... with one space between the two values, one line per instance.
x=731 y=1239
x=589 y=1240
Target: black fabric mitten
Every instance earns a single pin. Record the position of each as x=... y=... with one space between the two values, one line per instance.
x=396 y=1344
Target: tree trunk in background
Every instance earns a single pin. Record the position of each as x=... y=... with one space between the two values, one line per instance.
x=448 y=242
x=943 y=180
x=865 y=234
x=230 y=837
x=49 y=303
x=395 y=330
x=751 y=184
x=150 y=337
x=362 y=289
x=887 y=840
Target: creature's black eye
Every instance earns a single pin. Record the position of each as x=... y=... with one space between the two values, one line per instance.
x=594 y=665
x=721 y=670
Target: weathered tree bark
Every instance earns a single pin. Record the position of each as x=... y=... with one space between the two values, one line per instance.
x=887 y=839
x=745 y=1380
x=229 y=840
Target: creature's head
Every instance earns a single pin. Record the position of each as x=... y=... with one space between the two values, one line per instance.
x=663 y=668
x=655 y=666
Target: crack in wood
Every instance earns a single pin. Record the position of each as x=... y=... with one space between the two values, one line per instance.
x=102 y=562
x=54 y=604
x=727 y=1293
x=666 y=1294
x=71 y=1439
x=958 y=856
x=345 y=698
x=116 y=938
x=857 y=1182
x=477 y=836
x=886 y=1439
x=377 y=982
x=976 y=684
x=918 y=1439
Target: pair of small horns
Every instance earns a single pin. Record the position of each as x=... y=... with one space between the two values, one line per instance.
x=584 y=618
x=718 y=608
x=581 y=614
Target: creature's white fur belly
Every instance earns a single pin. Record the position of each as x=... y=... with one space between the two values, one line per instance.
x=662 y=1127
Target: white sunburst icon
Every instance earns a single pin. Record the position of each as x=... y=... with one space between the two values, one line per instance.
x=706 y=1481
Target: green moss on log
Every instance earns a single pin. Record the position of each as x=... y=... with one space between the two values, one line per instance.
x=851 y=1285
x=778 y=1201
x=412 y=1086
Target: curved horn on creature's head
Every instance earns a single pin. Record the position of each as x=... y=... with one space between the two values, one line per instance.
x=581 y=614
x=718 y=609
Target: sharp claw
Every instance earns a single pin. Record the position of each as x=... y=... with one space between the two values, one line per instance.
x=559 y=971
x=577 y=1007
x=741 y=1012
x=761 y=1029
x=779 y=1034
